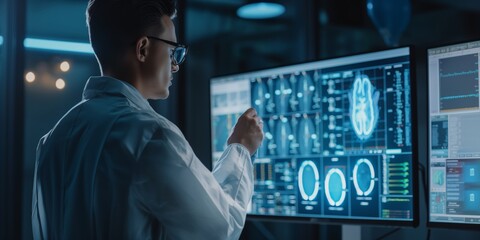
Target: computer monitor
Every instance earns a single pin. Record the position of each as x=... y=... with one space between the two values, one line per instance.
x=339 y=140
x=454 y=127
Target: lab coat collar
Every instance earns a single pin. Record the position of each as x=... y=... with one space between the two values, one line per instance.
x=102 y=85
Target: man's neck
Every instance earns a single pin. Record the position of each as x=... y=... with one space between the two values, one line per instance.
x=123 y=74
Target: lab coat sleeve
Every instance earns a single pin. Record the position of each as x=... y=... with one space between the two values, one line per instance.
x=39 y=227
x=186 y=198
x=234 y=172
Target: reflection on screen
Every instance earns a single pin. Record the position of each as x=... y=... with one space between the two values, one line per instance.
x=454 y=133
x=337 y=136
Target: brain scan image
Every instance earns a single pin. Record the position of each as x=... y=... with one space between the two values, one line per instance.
x=294 y=143
x=294 y=96
x=318 y=133
x=260 y=94
x=270 y=140
x=306 y=90
x=263 y=150
x=363 y=107
x=282 y=95
x=284 y=136
x=316 y=99
x=270 y=106
x=306 y=135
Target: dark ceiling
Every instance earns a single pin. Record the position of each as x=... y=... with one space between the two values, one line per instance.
x=65 y=18
x=340 y=26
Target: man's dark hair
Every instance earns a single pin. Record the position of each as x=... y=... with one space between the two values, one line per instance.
x=113 y=25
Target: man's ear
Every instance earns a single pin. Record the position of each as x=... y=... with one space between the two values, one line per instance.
x=141 y=48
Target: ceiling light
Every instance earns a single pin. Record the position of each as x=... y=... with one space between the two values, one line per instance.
x=54 y=45
x=64 y=66
x=260 y=10
x=60 y=83
x=30 y=77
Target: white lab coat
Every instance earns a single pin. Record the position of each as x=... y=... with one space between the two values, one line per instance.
x=112 y=168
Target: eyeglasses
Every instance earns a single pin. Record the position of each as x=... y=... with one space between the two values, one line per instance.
x=179 y=52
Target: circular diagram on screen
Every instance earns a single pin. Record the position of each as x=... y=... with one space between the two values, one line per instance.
x=308 y=180
x=363 y=177
x=335 y=187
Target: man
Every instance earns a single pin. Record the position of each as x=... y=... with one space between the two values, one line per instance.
x=112 y=168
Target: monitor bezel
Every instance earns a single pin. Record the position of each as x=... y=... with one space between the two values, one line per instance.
x=415 y=157
x=433 y=224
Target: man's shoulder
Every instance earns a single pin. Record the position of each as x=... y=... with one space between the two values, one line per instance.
x=120 y=108
x=142 y=119
x=140 y=116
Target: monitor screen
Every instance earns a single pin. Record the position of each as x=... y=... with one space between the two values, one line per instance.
x=454 y=124
x=339 y=137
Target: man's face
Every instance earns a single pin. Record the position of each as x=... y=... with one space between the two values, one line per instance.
x=159 y=69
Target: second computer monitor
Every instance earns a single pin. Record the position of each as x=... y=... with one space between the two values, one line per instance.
x=339 y=138
x=454 y=120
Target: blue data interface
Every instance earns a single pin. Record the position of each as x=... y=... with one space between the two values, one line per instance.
x=454 y=117
x=338 y=136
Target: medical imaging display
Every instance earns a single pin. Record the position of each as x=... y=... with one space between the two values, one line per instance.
x=338 y=136
x=454 y=163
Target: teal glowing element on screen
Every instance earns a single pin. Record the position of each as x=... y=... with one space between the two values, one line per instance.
x=364 y=107
x=308 y=180
x=363 y=177
x=335 y=187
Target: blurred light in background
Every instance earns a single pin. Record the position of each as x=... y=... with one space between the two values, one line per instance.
x=1 y=40
x=64 y=66
x=54 y=45
x=60 y=83
x=260 y=10
x=30 y=77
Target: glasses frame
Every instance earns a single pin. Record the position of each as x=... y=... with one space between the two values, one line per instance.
x=177 y=46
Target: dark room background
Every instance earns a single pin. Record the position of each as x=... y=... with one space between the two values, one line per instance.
x=38 y=85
